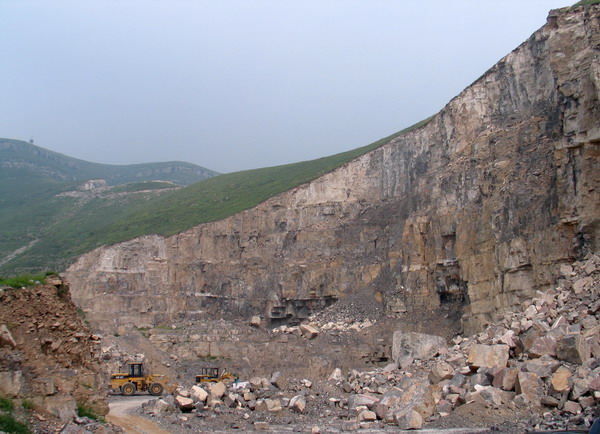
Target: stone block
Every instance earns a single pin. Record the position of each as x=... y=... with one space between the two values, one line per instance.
x=488 y=356
x=217 y=390
x=309 y=331
x=505 y=378
x=279 y=380
x=573 y=348
x=362 y=400
x=531 y=386
x=6 y=337
x=441 y=371
x=198 y=394
x=255 y=321
x=297 y=404
x=184 y=404
x=407 y=345
x=543 y=367
x=367 y=416
x=408 y=420
x=561 y=379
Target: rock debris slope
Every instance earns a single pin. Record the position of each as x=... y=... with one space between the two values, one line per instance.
x=479 y=208
x=48 y=355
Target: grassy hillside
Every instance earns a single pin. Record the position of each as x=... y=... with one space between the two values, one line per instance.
x=115 y=218
x=32 y=180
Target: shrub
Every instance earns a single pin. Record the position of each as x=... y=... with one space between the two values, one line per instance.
x=85 y=411
x=6 y=404
x=27 y=404
x=9 y=424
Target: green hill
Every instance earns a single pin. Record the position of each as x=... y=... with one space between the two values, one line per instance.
x=33 y=186
x=66 y=226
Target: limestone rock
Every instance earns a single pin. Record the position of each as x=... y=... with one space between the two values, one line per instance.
x=184 y=403
x=573 y=348
x=6 y=337
x=308 y=331
x=199 y=394
x=488 y=356
x=441 y=371
x=217 y=389
x=297 y=404
x=279 y=380
x=255 y=321
x=406 y=345
x=367 y=415
x=531 y=386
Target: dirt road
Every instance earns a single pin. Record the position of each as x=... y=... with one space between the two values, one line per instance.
x=122 y=413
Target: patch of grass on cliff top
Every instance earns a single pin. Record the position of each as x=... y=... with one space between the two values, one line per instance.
x=225 y=195
x=24 y=280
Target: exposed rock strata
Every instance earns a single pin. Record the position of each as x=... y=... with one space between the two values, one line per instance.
x=479 y=207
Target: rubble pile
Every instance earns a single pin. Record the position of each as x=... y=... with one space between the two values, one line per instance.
x=540 y=366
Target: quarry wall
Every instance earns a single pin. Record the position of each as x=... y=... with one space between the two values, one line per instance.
x=477 y=208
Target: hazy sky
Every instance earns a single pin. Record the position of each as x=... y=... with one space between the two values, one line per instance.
x=241 y=84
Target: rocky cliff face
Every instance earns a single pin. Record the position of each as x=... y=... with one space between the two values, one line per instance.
x=477 y=209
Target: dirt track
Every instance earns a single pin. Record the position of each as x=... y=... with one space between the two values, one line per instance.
x=121 y=413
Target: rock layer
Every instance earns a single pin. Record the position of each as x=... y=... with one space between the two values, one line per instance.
x=479 y=207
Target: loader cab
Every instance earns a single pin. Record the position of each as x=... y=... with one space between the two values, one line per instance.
x=136 y=369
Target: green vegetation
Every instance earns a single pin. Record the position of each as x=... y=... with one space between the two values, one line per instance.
x=60 y=228
x=86 y=411
x=24 y=280
x=8 y=423
x=6 y=404
x=142 y=186
x=27 y=404
x=586 y=2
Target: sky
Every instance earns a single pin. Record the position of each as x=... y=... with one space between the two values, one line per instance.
x=241 y=84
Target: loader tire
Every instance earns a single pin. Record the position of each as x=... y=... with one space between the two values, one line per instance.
x=128 y=389
x=155 y=389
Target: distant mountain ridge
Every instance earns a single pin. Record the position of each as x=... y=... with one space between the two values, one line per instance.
x=23 y=156
x=48 y=204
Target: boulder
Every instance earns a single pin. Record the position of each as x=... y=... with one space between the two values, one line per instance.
x=411 y=345
x=6 y=337
x=408 y=420
x=308 y=331
x=279 y=380
x=255 y=321
x=297 y=404
x=573 y=348
x=217 y=390
x=198 y=394
x=488 y=356
x=336 y=375
x=160 y=407
x=184 y=404
x=367 y=416
x=362 y=400
x=441 y=371
x=543 y=367
x=273 y=405
x=505 y=378
x=531 y=386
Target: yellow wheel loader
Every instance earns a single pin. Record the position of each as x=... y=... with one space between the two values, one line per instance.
x=213 y=375
x=135 y=380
